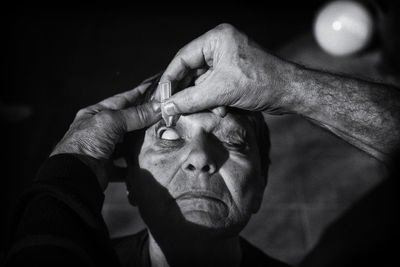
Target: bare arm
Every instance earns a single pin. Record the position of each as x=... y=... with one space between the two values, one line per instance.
x=365 y=114
x=242 y=75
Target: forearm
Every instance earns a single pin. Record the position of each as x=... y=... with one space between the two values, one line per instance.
x=365 y=114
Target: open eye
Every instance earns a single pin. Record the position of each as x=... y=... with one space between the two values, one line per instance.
x=166 y=133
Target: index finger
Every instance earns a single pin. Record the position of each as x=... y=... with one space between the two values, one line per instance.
x=141 y=116
x=191 y=56
x=122 y=100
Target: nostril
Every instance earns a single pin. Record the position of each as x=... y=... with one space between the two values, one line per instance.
x=190 y=167
x=206 y=168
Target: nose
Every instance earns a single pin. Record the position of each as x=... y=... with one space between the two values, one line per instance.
x=201 y=158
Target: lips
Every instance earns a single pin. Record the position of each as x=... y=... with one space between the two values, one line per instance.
x=199 y=194
x=205 y=202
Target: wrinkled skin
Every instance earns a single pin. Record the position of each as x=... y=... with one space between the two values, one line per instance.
x=237 y=72
x=97 y=129
x=211 y=174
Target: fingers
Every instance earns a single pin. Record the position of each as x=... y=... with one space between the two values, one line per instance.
x=189 y=79
x=189 y=57
x=220 y=111
x=139 y=117
x=116 y=102
x=153 y=78
x=125 y=99
x=192 y=99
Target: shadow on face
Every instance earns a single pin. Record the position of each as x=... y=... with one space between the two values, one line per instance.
x=201 y=179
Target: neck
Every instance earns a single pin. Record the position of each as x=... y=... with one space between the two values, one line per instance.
x=224 y=252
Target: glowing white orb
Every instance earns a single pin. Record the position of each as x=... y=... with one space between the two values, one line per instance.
x=343 y=27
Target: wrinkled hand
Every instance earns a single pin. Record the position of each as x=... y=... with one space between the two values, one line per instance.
x=236 y=72
x=97 y=129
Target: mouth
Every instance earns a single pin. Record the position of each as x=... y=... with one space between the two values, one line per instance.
x=207 y=195
x=199 y=205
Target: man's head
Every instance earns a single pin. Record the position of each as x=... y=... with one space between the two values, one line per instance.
x=208 y=170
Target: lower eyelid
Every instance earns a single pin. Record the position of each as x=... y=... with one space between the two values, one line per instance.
x=237 y=146
x=234 y=142
x=170 y=143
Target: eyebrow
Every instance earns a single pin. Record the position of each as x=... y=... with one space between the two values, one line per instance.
x=230 y=131
x=227 y=129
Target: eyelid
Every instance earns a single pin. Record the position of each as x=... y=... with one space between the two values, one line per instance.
x=235 y=140
x=229 y=131
x=168 y=144
x=160 y=124
x=242 y=146
x=236 y=136
x=161 y=129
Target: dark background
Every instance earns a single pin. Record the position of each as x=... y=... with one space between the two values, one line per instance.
x=57 y=60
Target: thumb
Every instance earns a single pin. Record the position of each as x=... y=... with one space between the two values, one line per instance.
x=193 y=99
x=139 y=117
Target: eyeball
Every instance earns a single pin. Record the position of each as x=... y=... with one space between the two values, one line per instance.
x=166 y=133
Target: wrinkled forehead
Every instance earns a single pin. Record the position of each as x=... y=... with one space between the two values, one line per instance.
x=235 y=120
x=209 y=122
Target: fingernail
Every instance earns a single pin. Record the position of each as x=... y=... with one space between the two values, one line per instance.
x=223 y=112
x=219 y=111
x=156 y=106
x=170 y=109
x=216 y=111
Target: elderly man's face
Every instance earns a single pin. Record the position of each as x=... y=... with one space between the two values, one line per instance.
x=209 y=166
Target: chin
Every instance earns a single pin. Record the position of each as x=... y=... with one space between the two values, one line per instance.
x=204 y=219
x=210 y=225
x=210 y=216
x=204 y=212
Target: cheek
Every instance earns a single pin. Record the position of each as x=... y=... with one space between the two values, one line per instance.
x=150 y=181
x=242 y=176
x=162 y=166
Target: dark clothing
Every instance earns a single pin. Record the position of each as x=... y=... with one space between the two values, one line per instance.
x=134 y=251
x=59 y=223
